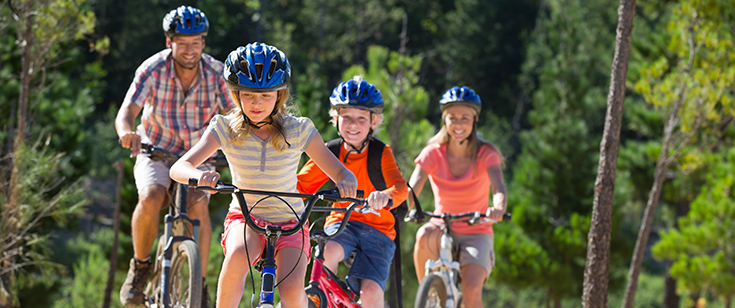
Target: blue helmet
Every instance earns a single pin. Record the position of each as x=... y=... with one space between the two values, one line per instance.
x=461 y=95
x=185 y=20
x=357 y=93
x=257 y=67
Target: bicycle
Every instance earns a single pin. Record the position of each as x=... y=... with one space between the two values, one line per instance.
x=267 y=263
x=176 y=279
x=439 y=288
x=325 y=288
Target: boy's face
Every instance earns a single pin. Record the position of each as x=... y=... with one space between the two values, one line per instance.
x=354 y=124
x=186 y=50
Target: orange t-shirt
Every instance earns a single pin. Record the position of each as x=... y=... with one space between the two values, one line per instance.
x=311 y=178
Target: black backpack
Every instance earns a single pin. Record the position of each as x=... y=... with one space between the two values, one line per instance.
x=375 y=173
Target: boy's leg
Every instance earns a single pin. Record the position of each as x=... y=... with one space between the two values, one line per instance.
x=371 y=267
x=234 y=267
x=333 y=254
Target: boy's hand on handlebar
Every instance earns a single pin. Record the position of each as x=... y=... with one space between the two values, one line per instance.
x=131 y=140
x=495 y=214
x=209 y=178
x=378 y=200
x=347 y=189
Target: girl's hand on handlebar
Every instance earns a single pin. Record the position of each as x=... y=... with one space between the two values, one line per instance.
x=378 y=200
x=131 y=140
x=347 y=188
x=209 y=178
x=495 y=214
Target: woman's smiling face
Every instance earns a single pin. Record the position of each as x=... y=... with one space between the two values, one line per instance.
x=258 y=106
x=459 y=120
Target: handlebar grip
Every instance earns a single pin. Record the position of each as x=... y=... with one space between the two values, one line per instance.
x=193 y=182
x=508 y=216
x=360 y=194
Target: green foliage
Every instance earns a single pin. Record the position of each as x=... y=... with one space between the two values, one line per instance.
x=44 y=204
x=702 y=248
x=552 y=188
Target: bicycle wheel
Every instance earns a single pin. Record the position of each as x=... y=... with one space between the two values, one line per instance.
x=317 y=298
x=153 y=288
x=186 y=276
x=431 y=293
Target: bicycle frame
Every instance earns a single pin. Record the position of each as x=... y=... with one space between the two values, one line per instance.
x=445 y=267
x=176 y=222
x=336 y=291
x=267 y=263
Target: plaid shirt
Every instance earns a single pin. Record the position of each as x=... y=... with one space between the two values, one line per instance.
x=172 y=119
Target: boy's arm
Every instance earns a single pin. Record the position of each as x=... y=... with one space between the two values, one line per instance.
x=397 y=187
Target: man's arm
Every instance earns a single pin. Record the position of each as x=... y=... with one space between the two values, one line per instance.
x=125 y=126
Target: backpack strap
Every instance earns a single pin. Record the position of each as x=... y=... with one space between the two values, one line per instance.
x=375 y=160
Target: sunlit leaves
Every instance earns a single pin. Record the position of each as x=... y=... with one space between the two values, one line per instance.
x=703 y=248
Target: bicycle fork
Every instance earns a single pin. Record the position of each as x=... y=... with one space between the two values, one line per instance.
x=268 y=277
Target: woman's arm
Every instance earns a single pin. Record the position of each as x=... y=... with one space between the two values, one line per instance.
x=500 y=200
x=345 y=180
x=185 y=167
x=417 y=181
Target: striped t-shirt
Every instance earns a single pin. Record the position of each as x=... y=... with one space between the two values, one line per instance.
x=172 y=119
x=258 y=165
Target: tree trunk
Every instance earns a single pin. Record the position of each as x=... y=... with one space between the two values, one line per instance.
x=671 y=299
x=643 y=233
x=25 y=36
x=119 y=165
x=598 y=241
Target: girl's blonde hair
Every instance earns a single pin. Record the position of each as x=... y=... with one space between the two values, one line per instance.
x=475 y=142
x=239 y=129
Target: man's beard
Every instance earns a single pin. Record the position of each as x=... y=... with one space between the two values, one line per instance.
x=182 y=65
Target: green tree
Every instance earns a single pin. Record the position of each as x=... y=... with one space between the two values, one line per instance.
x=703 y=248
x=568 y=70
x=693 y=92
x=42 y=28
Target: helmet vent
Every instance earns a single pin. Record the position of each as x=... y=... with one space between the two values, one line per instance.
x=258 y=70
x=272 y=68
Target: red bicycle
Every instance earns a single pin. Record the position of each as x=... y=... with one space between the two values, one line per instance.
x=325 y=289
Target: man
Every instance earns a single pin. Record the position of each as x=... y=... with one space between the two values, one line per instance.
x=179 y=90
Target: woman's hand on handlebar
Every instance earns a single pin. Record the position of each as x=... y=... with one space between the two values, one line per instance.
x=131 y=140
x=347 y=188
x=209 y=178
x=378 y=200
x=495 y=213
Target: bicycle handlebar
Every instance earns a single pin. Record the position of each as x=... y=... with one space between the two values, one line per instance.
x=156 y=153
x=329 y=195
x=472 y=218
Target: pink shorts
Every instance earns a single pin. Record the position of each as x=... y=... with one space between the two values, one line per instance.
x=235 y=217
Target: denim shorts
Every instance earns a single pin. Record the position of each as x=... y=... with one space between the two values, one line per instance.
x=374 y=253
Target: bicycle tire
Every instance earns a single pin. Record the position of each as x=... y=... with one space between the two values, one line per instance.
x=153 y=288
x=317 y=297
x=186 y=276
x=432 y=292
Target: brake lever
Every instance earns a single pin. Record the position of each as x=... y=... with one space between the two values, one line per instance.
x=365 y=209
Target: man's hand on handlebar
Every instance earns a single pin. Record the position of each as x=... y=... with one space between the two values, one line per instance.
x=131 y=140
